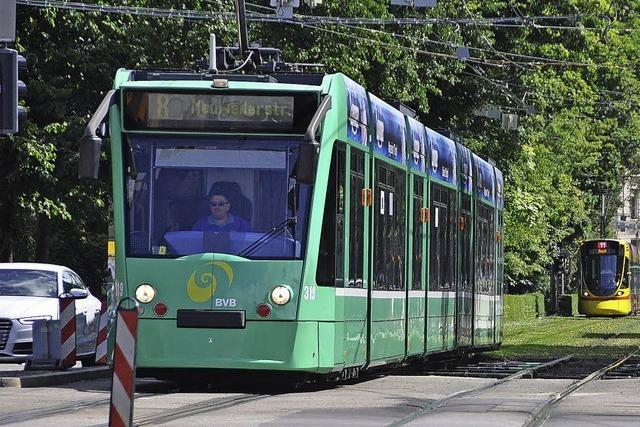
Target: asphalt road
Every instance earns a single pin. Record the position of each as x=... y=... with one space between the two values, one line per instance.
x=371 y=402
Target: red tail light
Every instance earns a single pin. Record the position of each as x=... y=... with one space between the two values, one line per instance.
x=160 y=309
x=264 y=310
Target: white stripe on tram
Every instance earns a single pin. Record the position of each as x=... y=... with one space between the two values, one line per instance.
x=351 y=292
x=388 y=294
x=442 y=294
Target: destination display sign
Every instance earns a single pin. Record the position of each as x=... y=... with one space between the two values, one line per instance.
x=602 y=247
x=249 y=112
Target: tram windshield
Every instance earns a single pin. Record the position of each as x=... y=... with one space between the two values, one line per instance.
x=601 y=273
x=225 y=195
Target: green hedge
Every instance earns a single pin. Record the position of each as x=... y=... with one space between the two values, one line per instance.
x=568 y=305
x=522 y=307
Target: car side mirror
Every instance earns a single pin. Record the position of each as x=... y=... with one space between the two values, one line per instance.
x=77 y=293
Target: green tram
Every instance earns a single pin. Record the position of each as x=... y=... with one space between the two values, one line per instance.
x=352 y=237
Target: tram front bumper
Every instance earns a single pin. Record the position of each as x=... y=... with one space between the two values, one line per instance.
x=261 y=345
x=613 y=307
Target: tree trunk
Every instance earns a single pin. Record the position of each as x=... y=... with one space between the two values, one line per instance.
x=43 y=238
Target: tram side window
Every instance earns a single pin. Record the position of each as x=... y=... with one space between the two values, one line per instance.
x=500 y=243
x=389 y=252
x=356 y=221
x=625 y=275
x=330 y=270
x=451 y=236
x=138 y=184
x=443 y=225
x=485 y=249
x=418 y=245
x=466 y=261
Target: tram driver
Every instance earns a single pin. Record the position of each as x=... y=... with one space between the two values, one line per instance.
x=220 y=219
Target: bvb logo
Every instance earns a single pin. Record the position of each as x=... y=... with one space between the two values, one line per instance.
x=202 y=288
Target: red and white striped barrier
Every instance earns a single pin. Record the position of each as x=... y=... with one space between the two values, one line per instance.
x=124 y=367
x=67 y=331
x=101 y=341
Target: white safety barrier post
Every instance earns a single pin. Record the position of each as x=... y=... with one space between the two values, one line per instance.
x=67 y=331
x=101 y=341
x=124 y=366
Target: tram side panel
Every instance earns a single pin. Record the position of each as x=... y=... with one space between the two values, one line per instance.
x=499 y=242
x=443 y=225
x=388 y=251
x=464 y=322
x=417 y=241
x=485 y=268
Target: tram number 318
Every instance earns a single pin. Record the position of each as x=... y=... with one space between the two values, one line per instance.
x=309 y=292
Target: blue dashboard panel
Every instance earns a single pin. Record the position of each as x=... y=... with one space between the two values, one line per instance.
x=466 y=171
x=485 y=179
x=357 y=111
x=499 y=188
x=389 y=130
x=418 y=145
x=443 y=157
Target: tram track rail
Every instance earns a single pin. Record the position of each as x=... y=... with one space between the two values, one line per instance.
x=209 y=405
x=520 y=374
x=542 y=412
x=51 y=411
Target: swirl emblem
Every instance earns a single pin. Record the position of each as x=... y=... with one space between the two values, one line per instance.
x=202 y=287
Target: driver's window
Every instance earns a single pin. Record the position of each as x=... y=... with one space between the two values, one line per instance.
x=78 y=281
x=68 y=282
x=626 y=276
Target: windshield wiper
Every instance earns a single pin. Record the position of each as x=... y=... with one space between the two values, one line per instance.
x=290 y=221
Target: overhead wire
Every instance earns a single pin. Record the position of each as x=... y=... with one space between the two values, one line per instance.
x=518 y=21
x=541 y=61
x=258 y=17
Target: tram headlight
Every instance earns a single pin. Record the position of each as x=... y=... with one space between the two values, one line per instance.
x=585 y=293
x=281 y=295
x=145 y=293
x=620 y=293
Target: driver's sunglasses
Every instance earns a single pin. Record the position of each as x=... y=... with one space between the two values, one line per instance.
x=215 y=204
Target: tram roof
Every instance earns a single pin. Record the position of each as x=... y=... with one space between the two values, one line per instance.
x=132 y=79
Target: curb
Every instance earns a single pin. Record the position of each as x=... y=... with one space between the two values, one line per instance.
x=24 y=379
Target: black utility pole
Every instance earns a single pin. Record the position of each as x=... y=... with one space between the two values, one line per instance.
x=241 y=18
x=602 y=218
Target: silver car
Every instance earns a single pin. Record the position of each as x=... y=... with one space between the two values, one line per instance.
x=29 y=292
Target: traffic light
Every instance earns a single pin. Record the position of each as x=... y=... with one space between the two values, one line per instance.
x=11 y=89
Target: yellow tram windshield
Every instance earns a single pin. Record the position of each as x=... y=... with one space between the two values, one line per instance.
x=602 y=264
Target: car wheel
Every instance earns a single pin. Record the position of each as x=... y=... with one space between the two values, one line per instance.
x=88 y=361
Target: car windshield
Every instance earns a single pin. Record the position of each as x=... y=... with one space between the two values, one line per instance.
x=28 y=283
x=237 y=196
x=601 y=273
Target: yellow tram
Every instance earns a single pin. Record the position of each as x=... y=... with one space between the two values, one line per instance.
x=609 y=277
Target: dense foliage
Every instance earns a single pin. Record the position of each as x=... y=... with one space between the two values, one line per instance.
x=578 y=75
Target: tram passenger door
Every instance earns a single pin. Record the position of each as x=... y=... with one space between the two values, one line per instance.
x=416 y=306
x=388 y=288
x=358 y=197
x=465 y=296
x=442 y=254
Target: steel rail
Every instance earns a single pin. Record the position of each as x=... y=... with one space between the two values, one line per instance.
x=35 y=414
x=543 y=410
x=208 y=405
x=527 y=371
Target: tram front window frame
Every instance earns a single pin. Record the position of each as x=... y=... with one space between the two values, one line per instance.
x=599 y=270
x=240 y=166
